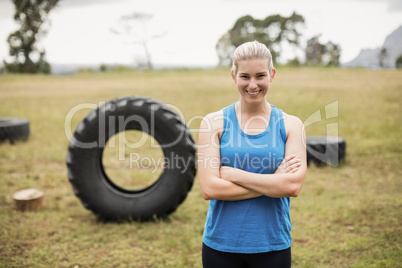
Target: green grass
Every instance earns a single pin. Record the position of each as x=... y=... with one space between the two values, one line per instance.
x=348 y=216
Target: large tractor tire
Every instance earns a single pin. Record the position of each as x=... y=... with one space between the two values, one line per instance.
x=13 y=129
x=323 y=150
x=98 y=192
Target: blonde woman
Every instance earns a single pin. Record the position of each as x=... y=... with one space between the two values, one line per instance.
x=251 y=160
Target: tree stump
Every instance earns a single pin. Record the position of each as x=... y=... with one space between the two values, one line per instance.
x=29 y=200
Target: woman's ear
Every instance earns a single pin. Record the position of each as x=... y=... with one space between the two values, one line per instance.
x=273 y=72
x=233 y=75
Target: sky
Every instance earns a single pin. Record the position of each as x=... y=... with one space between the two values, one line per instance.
x=188 y=30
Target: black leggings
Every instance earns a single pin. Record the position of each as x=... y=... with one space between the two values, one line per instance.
x=274 y=259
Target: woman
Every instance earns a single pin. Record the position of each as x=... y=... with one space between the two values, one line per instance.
x=251 y=160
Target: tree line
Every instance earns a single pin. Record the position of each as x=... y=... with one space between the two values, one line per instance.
x=275 y=31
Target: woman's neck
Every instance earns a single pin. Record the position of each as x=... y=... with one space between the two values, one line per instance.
x=254 y=108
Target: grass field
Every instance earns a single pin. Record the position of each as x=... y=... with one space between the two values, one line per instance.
x=348 y=216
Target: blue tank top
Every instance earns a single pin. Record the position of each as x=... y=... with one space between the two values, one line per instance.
x=258 y=224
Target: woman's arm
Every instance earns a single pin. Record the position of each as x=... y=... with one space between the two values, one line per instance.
x=208 y=155
x=278 y=184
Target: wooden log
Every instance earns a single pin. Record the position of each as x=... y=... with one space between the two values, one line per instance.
x=29 y=199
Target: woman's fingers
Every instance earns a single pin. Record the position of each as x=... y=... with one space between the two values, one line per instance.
x=289 y=157
x=292 y=165
x=286 y=161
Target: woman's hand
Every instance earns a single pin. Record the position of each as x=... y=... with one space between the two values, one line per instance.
x=290 y=164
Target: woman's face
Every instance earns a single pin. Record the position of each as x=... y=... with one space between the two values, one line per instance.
x=253 y=79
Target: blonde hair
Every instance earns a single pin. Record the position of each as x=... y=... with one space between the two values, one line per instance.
x=251 y=50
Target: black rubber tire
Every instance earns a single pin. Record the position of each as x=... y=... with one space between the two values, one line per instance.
x=96 y=190
x=325 y=150
x=13 y=129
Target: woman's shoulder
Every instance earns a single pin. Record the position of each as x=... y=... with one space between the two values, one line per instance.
x=214 y=119
x=291 y=122
x=212 y=124
x=291 y=118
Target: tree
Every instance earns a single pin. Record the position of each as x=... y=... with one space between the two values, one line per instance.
x=225 y=49
x=314 y=51
x=31 y=15
x=398 y=62
x=135 y=27
x=382 y=56
x=333 y=53
x=272 y=31
x=322 y=54
x=295 y=62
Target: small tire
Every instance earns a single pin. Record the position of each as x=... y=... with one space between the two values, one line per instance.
x=97 y=191
x=325 y=150
x=13 y=129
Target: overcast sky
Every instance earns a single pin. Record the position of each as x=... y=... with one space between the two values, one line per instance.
x=80 y=29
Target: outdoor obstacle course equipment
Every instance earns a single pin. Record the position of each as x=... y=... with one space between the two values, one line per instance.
x=325 y=150
x=98 y=192
x=13 y=129
x=29 y=199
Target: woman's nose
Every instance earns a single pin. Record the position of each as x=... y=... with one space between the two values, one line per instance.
x=252 y=84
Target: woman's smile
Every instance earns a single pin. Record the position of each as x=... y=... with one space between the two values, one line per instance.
x=253 y=93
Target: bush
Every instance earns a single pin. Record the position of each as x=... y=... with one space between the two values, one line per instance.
x=398 y=62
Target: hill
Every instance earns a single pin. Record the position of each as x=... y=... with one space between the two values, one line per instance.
x=368 y=58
